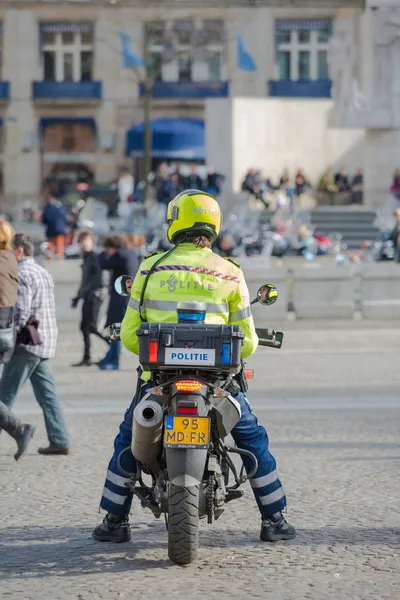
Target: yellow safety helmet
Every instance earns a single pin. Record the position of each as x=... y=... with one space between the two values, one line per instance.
x=193 y=211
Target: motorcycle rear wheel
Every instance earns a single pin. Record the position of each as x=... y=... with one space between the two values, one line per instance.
x=183 y=524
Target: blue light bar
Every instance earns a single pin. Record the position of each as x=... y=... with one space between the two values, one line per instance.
x=182 y=317
x=226 y=354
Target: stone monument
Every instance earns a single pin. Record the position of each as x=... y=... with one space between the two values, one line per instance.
x=364 y=63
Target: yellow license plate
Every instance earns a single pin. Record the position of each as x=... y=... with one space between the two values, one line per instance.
x=186 y=432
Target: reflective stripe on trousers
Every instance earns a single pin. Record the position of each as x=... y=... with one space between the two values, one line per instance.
x=248 y=434
x=266 y=485
x=117 y=498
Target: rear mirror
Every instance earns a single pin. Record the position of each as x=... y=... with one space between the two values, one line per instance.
x=266 y=295
x=123 y=285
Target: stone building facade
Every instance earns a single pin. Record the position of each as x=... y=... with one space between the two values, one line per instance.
x=66 y=101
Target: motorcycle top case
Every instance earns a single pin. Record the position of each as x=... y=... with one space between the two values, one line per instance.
x=172 y=346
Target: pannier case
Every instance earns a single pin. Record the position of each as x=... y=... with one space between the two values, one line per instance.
x=171 y=346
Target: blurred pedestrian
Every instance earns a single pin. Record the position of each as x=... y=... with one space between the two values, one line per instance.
x=342 y=180
x=301 y=183
x=160 y=183
x=119 y=260
x=91 y=292
x=134 y=241
x=193 y=181
x=252 y=183
x=17 y=429
x=8 y=292
x=35 y=321
x=20 y=431
x=213 y=182
x=284 y=180
x=55 y=220
x=125 y=185
x=395 y=234
x=125 y=188
x=395 y=189
x=181 y=178
x=168 y=189
x=357 y=187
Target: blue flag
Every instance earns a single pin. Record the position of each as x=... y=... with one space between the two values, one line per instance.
x=129 y=58
x=245 y=62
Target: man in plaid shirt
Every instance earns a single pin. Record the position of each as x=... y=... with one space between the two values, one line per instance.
x=36 y=300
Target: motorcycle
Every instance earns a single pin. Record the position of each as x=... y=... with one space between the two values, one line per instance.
x=180 y=425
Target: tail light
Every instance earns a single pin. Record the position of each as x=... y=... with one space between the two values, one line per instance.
x=188 y=386
x=153 y=352
x=249 y=373
x=187 y=407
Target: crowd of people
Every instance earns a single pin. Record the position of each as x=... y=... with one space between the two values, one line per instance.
x=341 y=188
x=338 y=188
x=169 y=184
x=259 y=187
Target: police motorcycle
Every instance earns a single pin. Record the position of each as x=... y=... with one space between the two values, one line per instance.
x=181 y=424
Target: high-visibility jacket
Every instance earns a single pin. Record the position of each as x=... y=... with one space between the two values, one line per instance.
x=190 y=273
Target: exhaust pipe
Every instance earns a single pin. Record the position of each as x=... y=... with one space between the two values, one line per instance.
x=147 y=428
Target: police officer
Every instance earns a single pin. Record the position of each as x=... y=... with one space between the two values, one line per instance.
x=192 y=271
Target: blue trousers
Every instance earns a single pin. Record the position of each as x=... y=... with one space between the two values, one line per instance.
x=22 y=366
x=113 y=354
x=247 y=434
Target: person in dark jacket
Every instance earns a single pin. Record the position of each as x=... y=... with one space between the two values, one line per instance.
x=90 y=291
x=55 y=219
x=119 y=260
x=357 y=187
x=20 y=431
x=193 y=181
x=168 y=189
x=213 y=182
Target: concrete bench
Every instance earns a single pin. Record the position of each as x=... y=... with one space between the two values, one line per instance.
x=380 y=290
x=323 y=291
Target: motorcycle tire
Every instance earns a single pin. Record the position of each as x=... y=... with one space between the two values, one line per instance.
x=183 y=524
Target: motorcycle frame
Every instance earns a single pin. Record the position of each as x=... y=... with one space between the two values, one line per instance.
x=188 y=466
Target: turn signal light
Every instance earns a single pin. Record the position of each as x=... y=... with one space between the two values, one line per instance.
x=249 y=373
x=188 y=386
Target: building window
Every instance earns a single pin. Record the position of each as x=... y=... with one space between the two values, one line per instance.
x=186 y=50
x=302 y=49
x=67 y=52
x=68 y=138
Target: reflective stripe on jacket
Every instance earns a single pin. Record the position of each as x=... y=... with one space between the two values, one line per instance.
x=190 y=273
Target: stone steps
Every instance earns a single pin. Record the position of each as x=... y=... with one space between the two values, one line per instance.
x=355 y=224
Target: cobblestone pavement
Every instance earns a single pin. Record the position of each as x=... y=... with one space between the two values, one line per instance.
x=330 y=399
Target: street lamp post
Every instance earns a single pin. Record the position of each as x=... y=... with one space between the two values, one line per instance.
x=147 y=84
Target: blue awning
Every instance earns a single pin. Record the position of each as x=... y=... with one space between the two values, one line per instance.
x=68 y=120
x=174 y=139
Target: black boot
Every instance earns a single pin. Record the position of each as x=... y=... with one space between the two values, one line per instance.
x=23 y=440
x=85 y=362
x=113 y=529
x=275 y=528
